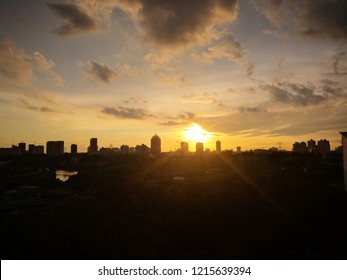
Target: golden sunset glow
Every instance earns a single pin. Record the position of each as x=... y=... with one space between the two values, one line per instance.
x=195 y=133
x=124 y=70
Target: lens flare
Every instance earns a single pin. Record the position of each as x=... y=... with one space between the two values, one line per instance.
x=196 y=133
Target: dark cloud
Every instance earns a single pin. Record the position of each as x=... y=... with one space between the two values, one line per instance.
x=183 y=116
x=27 y=105
x=47 y=110
x=101 y=72
x=312 y=18
x=173 y=23
x=126 y=113
x=294 y=94
x=76 y=20
x=339 y=63
x=329 y=82
x=172 y=123
x=258 y=109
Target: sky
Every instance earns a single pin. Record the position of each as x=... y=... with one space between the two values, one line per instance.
x=255 y=74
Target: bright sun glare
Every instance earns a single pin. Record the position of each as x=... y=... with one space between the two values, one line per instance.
x=196 y=133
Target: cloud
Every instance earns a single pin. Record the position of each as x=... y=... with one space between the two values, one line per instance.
x=41 y=63
x=172 y=23
x=227 y=47
x=311 y=18
x=295 y=95
x=76 y=20
x=134 y=100
x=302 y=121
x=203 y=98
x=26 y=104
x=157 y=61
x=126 y=113
x=340 y=63
x=17 y=67
x=168 y=24
x=258 y=109
x=172 y=123
x=174 y=80
x=101 y=72
x=275 y=34
x=183 y=116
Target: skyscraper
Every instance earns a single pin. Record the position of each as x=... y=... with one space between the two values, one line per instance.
x=184 y=147
x=218 y=146
x=21 y=147
x=54 y=148
x=311 y=145
x=323 y=146
x=93 y=147
x=199 y=147
x=73 y=149
x=238 y=149
x=155 y=145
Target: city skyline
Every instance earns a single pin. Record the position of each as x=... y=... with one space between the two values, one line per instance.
x=55 y=148
x=253 y=74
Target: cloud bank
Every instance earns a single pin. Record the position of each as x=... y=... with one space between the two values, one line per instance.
x=76 y=20
x=310 y=18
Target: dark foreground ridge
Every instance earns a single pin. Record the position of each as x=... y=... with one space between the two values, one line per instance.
x=217 y=206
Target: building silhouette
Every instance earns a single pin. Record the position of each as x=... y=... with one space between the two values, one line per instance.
x=54 y=148
x=238 y=149
x=199 y=147
x=299 y=147
x=323 y=146
x=73 y=149
x=344 y=151
x=311 y=146
x=124 y=149
x=93 y=147
x=35 y=150
x=218 y=146
x=155 y=145
x=142 y=150
x=184 y=147
x=22 y=148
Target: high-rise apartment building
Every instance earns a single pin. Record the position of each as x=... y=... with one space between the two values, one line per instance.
x=73 y=149
x=323 y=146
x=218 y=146
x=156 y=145
x=311 y=146
x=93 y=147
x=199 y=147
x=54 y=148
x=21 y=147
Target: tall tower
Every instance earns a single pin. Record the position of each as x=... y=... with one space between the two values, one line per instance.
x=218 y=146
x=54 y=148
x=93 y=148
x=21 y=146
x=155 y=145
x=73 y=149
x=199 y=147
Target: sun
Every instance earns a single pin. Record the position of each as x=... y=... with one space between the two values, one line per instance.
x=196 y=133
